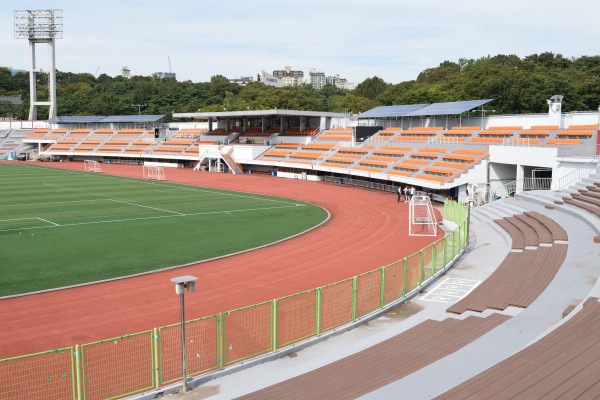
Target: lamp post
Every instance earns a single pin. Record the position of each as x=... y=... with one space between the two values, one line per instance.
x=139 y=106
x=482 y=111
x=182 y=283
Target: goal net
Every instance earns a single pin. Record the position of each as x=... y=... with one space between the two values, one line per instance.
x=422 y=220
x=154 y=173
x=92 y=166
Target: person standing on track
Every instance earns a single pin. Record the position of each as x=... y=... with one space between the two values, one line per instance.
x=399 y=193
x=406 y=193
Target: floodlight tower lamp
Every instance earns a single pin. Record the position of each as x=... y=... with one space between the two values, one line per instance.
x=40 y=26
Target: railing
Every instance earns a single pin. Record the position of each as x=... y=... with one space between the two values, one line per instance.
x=510 y=188
x=361 y=183
x=327 y=154
x=537 y=184
x=150 y=360
x=579 y=173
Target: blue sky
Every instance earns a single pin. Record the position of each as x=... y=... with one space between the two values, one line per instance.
x=391 y=39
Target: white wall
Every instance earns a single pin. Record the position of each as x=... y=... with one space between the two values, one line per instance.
x=19 y=124
x=532 y=156
x=246 y=153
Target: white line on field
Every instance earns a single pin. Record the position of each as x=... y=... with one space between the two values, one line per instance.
x=141 y=205
x=144 y=218
x=50 y=222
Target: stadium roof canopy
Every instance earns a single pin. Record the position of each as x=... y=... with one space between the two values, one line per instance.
x=391 y=111
x=414 y=110
x=76 y=119
x=101 y=119
x=451 y=108
x=258 y=113
x=131 y=118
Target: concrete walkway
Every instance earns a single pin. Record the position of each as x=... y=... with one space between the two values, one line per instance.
x=489 y=244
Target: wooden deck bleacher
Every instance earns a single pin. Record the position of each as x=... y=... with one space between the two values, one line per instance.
x=522 y=276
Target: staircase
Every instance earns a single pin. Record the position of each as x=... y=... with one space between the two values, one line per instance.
x=235 y=167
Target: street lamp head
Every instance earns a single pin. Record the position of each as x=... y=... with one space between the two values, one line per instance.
x=183 y=282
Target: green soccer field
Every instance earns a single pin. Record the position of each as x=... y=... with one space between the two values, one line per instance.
x=60 y=228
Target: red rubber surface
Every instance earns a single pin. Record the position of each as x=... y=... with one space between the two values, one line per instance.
x=367 y=230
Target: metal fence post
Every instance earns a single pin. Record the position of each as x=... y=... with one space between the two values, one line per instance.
x=318 y=313
x=404 y=277
x=220 y=341
x=382 y=288
x=421 y=268
x=157 y=365
x=354 y=296
x=274 y=325
x=78 y=382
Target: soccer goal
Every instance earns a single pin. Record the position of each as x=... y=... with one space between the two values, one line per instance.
x=92 y=166
x=154 y=173
x=422 y=221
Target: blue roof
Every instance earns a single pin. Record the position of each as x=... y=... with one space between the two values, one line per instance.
x=88 y=119
x=413 y=110
x=132 y=118
x=391 y=111
x=450 y=108
x=77 y=119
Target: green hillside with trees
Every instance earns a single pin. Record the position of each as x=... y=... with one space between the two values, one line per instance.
x=517 y=85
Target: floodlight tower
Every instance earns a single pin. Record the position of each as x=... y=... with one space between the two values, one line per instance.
x=40 y=26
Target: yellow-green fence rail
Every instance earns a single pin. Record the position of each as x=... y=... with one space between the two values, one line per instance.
x=136 y=363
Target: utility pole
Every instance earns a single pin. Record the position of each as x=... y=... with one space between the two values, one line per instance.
x=139 y=106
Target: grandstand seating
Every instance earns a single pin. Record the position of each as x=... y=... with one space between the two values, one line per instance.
x=435 y=151
x=581 y=133
x=191 y=133
x=563 y=141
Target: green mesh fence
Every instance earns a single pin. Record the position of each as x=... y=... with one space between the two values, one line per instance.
x=428 y=255
x=124 y=366
x=336 y=304
x=117 y=367
x=393 y=282
x=46 y=375
x=368 y=292
x=296 y=317
x=438 y=256
x=201 y=348
x=413 y=272
x=247 y=332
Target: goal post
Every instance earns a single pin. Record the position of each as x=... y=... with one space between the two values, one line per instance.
x=154 y=173
x=92 y=166
x=422 y=221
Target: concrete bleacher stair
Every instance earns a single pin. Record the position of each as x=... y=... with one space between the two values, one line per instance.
x=549 y=285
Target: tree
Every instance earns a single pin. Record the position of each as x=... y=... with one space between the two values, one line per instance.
x=370 y=88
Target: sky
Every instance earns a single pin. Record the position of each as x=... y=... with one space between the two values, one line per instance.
x=394 y=40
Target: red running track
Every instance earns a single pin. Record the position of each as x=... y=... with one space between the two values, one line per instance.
x=367 y=229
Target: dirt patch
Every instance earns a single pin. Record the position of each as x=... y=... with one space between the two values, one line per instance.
x=404 y=311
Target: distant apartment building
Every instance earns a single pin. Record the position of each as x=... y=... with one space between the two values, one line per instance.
x=269 y=79
x=170 y=75
x=317 y=79
x=289 y=77
x=341 y=83
x=243 y=81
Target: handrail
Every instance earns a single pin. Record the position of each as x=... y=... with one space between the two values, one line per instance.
x=511 y=187
x=579 y=173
